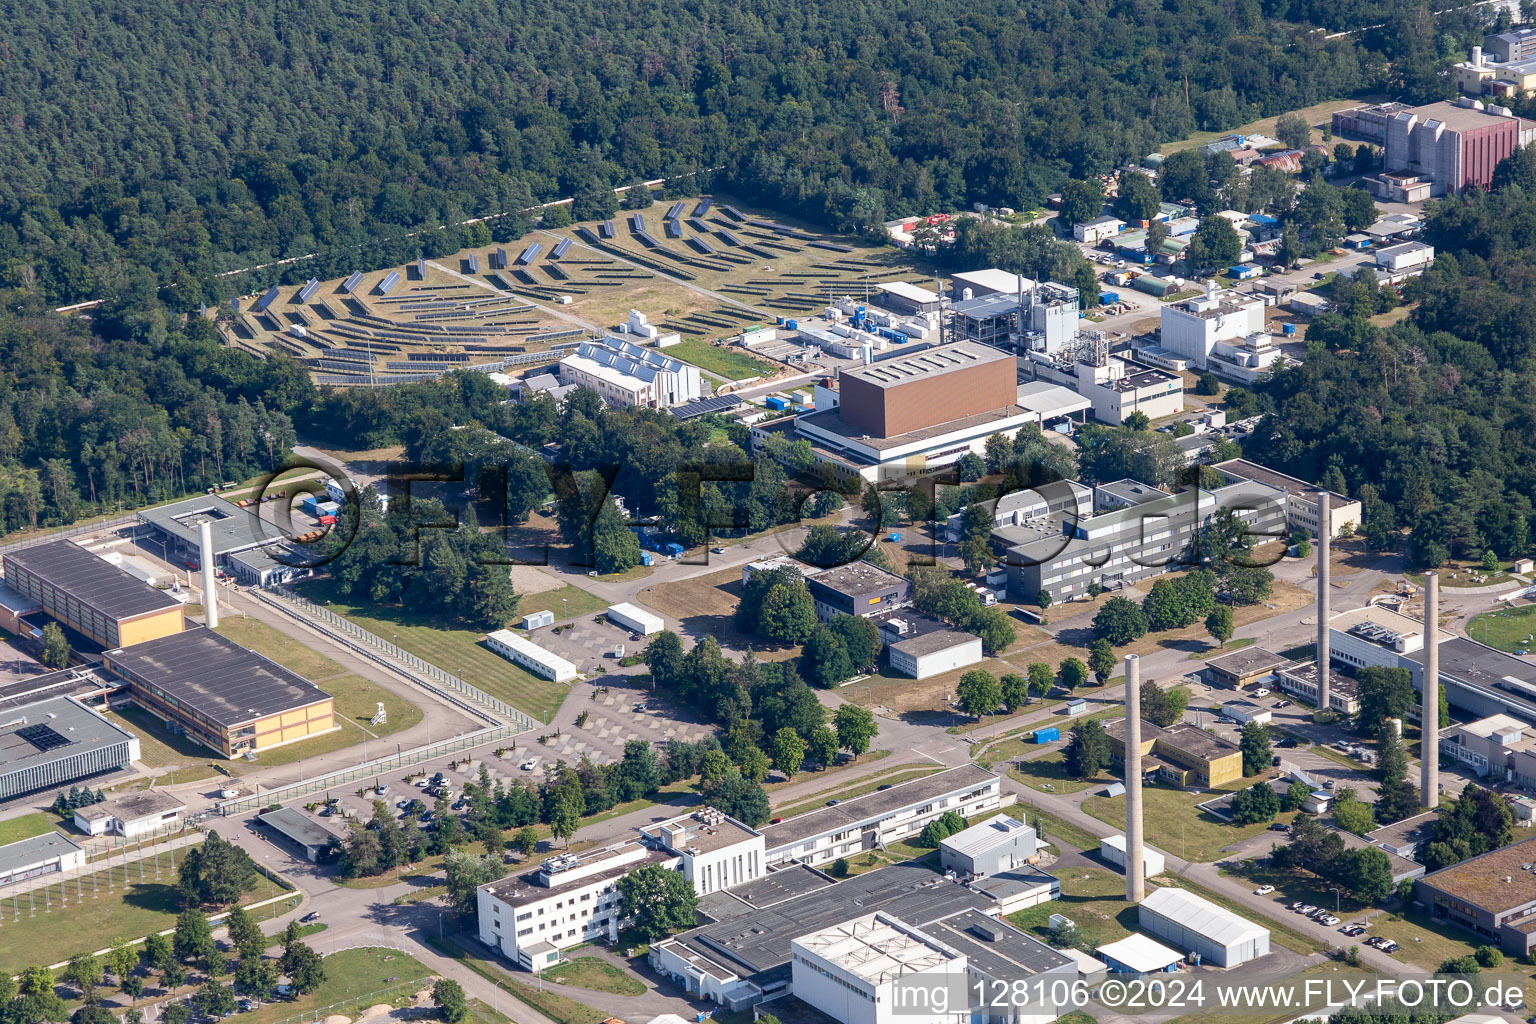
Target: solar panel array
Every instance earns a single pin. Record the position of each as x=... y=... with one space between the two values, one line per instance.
x=605 y=229
x=727 y=237
x=390 y=280
x=421 y=269
x=308 y=291
x=676 y=211
x=637 y=223
x=43 y=737
x=701 y=245
x=267 y=298
x=587 y=235
x=355 y=279
x=564 y=244
x=703 y=207
x=499 y=259
x=474 y=263
x=733 y=213
x=674 y=229
x=528 y=254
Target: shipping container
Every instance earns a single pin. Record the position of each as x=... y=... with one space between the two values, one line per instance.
x=672 y=548
x=776 y=403
x=645 y=558
x=1109 y=298
x=1048 y=735
x=327 y=520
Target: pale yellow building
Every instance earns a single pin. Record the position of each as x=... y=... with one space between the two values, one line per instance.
x=92 y=596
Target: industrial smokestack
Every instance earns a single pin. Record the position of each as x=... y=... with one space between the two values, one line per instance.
x=1429 y=699
x=1135 y=850
x=210 y=591
x=1324 y=528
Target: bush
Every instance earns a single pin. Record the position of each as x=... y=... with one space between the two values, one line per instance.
x=1488 y=956
x=839 y=868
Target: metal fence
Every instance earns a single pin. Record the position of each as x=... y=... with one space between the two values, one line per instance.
x=366 y=770
x=376 y=648
x=73 y=531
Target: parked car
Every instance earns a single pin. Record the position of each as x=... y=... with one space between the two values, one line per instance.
x=1280 y=826
x=1289 y=742
x=1297 y=904
x=833 y=803
x=1352 y=930
x=526 y=766
x=1264 y=890
x=313 y=915
x=1306 y=908
x=1329 y=920
x=1261 y=692
x=718 y=551
x=1282 y=704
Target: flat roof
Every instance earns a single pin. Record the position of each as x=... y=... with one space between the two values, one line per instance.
x=995 y=279
x=234 y=528
x=216 y=677
x=700 y=831
x=856 y=579
x=1049 y=399
x=1186 y=737
x=1201 y=916
x=1456 y=117
x=1386 y=618
x=996 y=948
x=92 y=580
x=986 y=835
x=1306 y=671
x=36 y=850
x=51 y=730
x=1246 y=470
x=927 y=364
x=759 y=941
x=873 y=806
x=1480 y=880
x=16 y=602
x=877 y=948
x=1247 y=662
x=144 y=803
x=832 y=422
x=1131 y=491
x=987 y=307
x=908 y=291
x=933 y=642
x=1483 y=666
x=297 y=826
x=1006 y=884
x=1140 y=953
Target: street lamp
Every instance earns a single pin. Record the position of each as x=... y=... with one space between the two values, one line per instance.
x=1335 y=890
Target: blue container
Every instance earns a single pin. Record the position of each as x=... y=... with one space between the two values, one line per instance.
x=1109 y=297
x=776 y=403
x=793 y=325
x=1047 y=735
x=672 y=548
x=1289 y=329
x=645 y=558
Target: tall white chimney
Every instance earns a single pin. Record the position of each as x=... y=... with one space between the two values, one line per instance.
x=1429 y=696
x=210 y=587
x=1477 y=56
x=1135 y=848
x=1324 y=535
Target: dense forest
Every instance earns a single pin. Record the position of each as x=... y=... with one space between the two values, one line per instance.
x=163 y=144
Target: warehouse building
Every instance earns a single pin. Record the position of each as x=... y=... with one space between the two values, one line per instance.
x=57 y=741
x=1453 y=146
x=1244 y=711
x=857 y=589
x=991 y=847
x=851 y=971
x=934 y=652
x=627 y=374
x=1492 y=896
x=1190 y=922
x=906 y=299
x=865 y=822
x=144 y=812
x=90 y=595
x=1182 y=754
x=1138 y=954
x=48 y=854
x=226 y=697
x=635 y=619
x=522 y=651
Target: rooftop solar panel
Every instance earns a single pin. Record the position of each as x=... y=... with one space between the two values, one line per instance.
x=42 y=737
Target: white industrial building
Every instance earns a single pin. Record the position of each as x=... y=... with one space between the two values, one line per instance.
x=538 y=620
x=869 y=821
x=934 y=653
x=1301 y=506
x=906 y=299
x=140 y=813
x=635 y=619
x=1244 y=711
x=1375 y=637
x=996 y=845
x=851 y=971
x=1016 y=508
x=1222 y=331
x=625 y=373
x=574 y=898
x=1112 y=850
x=49 y=853
x=1406 y=257
x=1194 y=923
x=1092 y=232
x=1138 y=954
x=989 y=281
x=522 y=651
x=1114 y=388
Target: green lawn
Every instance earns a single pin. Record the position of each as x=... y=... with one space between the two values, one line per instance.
x=558 y=1008
x=569 y=601
x=729 y=361
x=1049 y=827
x=1175 y=826
x=159 y=748
x=1508 y=629
x=1049 y=775
x=597 y=974
x=43 y=929
x=25 y=827
x=445 y=641
x=1095 y=901
x=354 y=977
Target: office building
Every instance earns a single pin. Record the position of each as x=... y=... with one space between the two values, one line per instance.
x=627 y=374
x=1251 y=666
x=574 y=898
x=1299 y=680
x=1492 y=896
x=521 y=651
x=235 y=529
x=866 y=822
x=914 y=413
x=1092 y=232
x=1184 y=754
x=1301 y=505
x=90 y=595
x=57 y=741
x=1453 y=146
x=990 y=847
x=1515 y=45
x=226 y=697
x=1065 y=557
x=1500 y=746
x=139 y=813
x=48 y=854
x=1193 y=923
x=1220 y=331
x=1480 y=680
x=1375 y=636
x=851 y=971
x=1019 y=508
x=858 y=589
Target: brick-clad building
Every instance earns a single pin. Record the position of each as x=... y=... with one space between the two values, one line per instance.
x=1455 y=146
x=897 y=396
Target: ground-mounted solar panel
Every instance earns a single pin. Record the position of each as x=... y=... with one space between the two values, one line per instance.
x=421 y=268
x=646 y=240
x=726 y=237
x=703 y=207
x=267 y=298
x=554 y=271
x=474 y=263
x=501 y=281
x=390 y=280
x=674 y=229
x=528 y=254
x=560 y=248
x=605 y=229
x=698 y=225
x=308 y=291
x=675 y=211
x=831 y=246
x=733 y=213
x=637 y=223
x=351 y=283
x=499 y=259
x=700 y=245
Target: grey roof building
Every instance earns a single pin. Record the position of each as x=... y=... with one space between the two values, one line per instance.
x=299 y=829
x=57 y=741
x=234 y=528
x=48 y=853
x=857 y=589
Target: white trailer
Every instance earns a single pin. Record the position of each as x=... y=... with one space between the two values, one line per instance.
x=635 y=619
